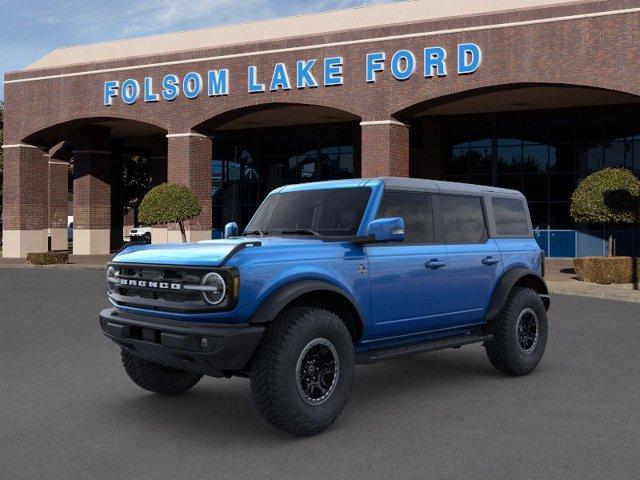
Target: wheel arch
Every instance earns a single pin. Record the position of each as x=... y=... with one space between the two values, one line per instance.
x=315 y=293
x=516 y=277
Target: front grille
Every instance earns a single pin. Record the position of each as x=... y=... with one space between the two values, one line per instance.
x=160 y=288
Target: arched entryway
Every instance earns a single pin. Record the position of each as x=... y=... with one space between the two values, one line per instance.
x=537 y=138
x=100 y=166
x=257 y=149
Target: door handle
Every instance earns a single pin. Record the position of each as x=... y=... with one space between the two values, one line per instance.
x=434 y=263
x=488 y=261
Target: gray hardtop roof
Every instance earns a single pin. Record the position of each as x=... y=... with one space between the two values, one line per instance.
x=419 y=184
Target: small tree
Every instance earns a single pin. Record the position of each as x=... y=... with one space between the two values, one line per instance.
x=609 y=196
x=169 y=203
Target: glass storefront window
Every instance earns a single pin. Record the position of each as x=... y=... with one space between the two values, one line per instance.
x=249 y=164
x=543 y=154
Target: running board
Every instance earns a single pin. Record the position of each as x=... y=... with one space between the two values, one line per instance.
x=373 y=356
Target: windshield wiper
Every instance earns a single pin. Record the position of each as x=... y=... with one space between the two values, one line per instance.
x=260 y=233
x=300 y=231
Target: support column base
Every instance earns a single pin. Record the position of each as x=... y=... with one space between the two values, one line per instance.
x=159 y=235
x=174 y=236
x=59 y=239
x=17 y=243
x=91 y=242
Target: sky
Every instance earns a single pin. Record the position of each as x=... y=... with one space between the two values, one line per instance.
x=30 y=29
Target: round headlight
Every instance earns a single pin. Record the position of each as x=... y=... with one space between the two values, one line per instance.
x=216 y=289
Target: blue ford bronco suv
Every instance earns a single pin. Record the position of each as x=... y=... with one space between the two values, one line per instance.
x=327 y=275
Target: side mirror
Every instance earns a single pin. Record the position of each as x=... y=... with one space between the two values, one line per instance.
x=386 y=230
x=231 y=230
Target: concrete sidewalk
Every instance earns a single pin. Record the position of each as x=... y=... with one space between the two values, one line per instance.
x=561 y=278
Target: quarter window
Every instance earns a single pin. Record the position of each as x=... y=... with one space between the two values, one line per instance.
x=463 y=219
x=511 y=216
x=416 y=211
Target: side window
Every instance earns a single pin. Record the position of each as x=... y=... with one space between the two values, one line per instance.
x=511 y=216
x=416 y=211
x=463 y=219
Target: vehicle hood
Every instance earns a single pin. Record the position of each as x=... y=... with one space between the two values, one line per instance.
x=211 y=253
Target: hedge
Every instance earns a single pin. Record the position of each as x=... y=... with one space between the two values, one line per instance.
x=607 y=270
x=48 y=258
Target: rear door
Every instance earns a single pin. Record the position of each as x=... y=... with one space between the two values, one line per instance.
x=409 y=280
x=474 y=260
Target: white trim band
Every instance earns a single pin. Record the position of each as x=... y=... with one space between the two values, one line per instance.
x=21 y=145
x=190 y=134
x=58 y=162
x=383 y=122
x=327 y=45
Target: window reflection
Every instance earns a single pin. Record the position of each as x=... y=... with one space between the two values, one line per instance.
x=249 y=164
x=543 y=154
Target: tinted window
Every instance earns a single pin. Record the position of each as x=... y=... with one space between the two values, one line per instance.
x=329 y=212
x=511 y=216
x=463 y=219
x=415 y=209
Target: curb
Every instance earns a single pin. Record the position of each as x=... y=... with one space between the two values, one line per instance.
x=616 y=296
x=68 y=266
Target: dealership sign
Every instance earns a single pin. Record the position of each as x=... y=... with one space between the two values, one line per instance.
x=309 y=73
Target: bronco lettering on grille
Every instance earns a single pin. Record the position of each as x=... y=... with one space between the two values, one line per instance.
x=148 y=284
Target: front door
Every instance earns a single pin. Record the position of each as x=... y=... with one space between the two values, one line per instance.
x=474 y=260
x=409 y=280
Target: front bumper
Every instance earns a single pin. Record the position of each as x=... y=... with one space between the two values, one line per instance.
x=211 y=349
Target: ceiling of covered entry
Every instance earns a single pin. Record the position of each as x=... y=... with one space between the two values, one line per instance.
x=287 y=115
x=529 y=98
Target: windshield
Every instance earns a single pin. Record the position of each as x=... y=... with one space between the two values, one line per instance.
x=326 y=212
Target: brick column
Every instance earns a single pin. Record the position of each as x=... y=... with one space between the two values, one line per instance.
x=58 y=190
x=25 y=200
x=159 y=233
x=92 y=192
x=189 y=164
x=385 y=149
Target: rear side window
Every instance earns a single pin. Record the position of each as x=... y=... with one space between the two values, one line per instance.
x=416 y=211
x=511 y=216
x=463 y=219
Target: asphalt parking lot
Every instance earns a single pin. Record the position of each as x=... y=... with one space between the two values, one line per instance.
x=67 y=409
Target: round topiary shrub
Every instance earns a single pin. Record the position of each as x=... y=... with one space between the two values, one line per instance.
x=609 y=196
x=169 y=203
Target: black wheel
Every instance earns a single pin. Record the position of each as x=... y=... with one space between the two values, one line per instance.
x=157 y=378
x=302 y=371
x=147 y=237
x=519 y=334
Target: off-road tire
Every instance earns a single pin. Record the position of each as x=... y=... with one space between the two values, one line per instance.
x=157 y=378
x=503 y=350
x=274 y=374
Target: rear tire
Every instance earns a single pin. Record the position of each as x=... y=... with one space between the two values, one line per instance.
x=302 y=371
x=157 y=378
x=519 y=333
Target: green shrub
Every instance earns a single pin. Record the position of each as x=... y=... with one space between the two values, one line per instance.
x=609 y=196
x=48 y=258
x=169 y=203
x=607 y=270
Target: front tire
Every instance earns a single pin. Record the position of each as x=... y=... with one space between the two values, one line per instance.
x=519 y=333
x=157 y=378
x=303 y=370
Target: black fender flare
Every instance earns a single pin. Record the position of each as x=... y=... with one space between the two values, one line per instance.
x=283 y=296
x=506 y=283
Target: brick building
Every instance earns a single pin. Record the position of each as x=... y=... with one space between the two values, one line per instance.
x=534 y=97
